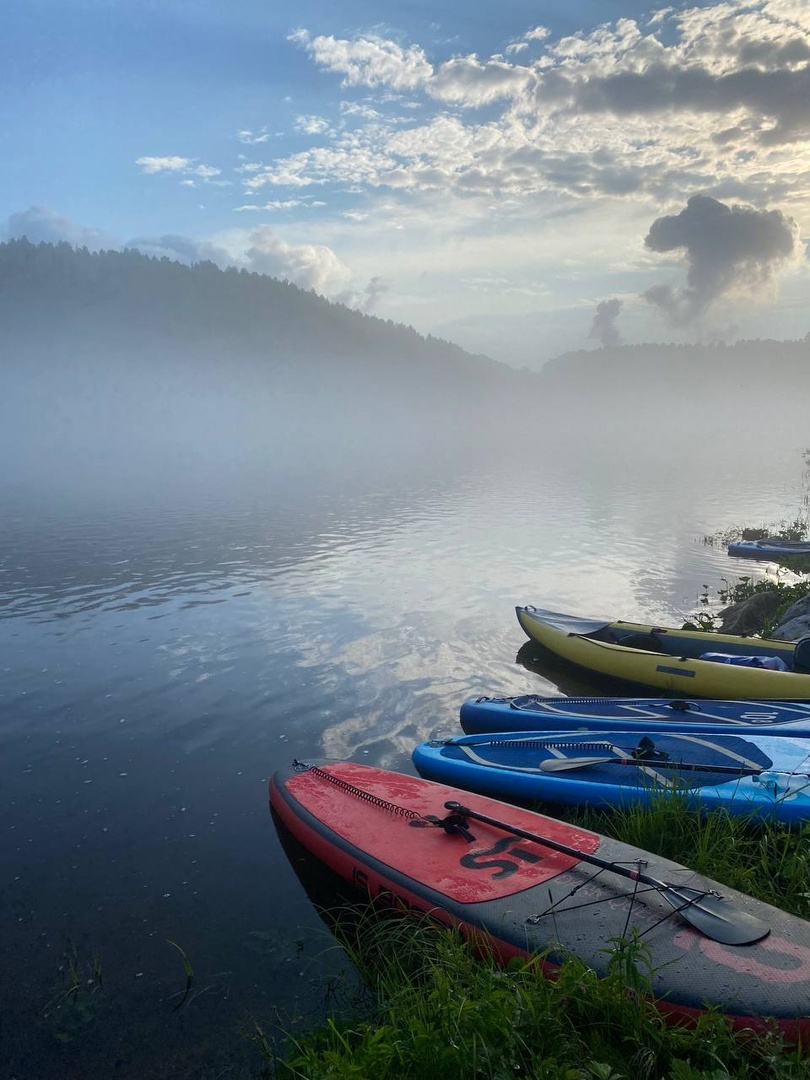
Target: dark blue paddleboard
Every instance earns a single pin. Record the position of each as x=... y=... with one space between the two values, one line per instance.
x=531 y=712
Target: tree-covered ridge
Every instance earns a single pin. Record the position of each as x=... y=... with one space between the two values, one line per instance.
x=131 y=299
x=719 y=363
x=58 y=302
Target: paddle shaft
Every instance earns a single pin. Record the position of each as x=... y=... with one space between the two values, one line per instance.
x=576 y=853
x=562 y=764
x=705 y=910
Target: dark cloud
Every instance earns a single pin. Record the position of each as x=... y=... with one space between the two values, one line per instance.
x=726 y=247
x=780 y=97
x=604 y=322
x=43 y=226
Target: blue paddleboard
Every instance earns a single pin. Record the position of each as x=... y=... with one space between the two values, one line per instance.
x=757 y=776
x=533 y=713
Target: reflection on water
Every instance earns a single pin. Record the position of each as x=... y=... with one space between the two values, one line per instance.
x=162 y=656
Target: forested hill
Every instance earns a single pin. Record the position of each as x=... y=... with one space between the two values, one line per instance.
x=114 y=303
x=140 y=332
x=684 y=369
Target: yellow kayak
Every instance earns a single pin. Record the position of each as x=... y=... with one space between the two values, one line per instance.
x=693 y=662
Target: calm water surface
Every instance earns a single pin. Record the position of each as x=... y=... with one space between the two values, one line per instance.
x=163 y=651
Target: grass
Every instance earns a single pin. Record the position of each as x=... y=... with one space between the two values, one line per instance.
x=769 y=862
x=434 y=1008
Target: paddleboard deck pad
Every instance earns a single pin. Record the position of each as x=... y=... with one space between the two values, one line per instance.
x=531 y=712
x=393 y=836
x=759 y=775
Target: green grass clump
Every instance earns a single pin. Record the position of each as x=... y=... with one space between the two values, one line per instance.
x=436 y=1008
x=444 y=1011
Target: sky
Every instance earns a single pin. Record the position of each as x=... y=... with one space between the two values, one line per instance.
x=521 y=178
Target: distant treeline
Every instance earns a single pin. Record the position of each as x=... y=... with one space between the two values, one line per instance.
x=255 y=325
x=57 y=302
x=761 y=368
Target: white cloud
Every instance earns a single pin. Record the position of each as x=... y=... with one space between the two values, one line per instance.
x=354 y=109
x=206 y=171
x=253 y=138
x=279 y=204
x=312 y=266
x=164 y=164
x=701 y=99
x=368 y=61
x=312 y=125
x=261 y=250
x=181 y=166
x=470 y=81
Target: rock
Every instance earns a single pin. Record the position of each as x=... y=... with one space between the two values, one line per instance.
x=800 y=609
x=795 y=621
x=749 y=615
x=793 y=629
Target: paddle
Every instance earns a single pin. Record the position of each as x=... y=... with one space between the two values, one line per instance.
x=708 y=912
x=563 y=764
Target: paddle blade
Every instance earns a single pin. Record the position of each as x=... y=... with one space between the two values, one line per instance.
x=564 y=764
x=713 y=916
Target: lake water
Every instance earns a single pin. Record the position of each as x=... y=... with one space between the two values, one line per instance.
x=165 y=645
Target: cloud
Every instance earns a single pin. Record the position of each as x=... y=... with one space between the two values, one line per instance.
x=277 y=204
x=260 y=250
x=180 y=248
x=780 y=98
x=312 y=125
x=368 y=61
x=163 y=164
x=312 y=266
x=603 y=326
x=254 y=138
x=711 y=98
x=43 y=226
x=180 y=165
x=727 y=249
x=472 y=82
x=366 y=299
x=374 y=290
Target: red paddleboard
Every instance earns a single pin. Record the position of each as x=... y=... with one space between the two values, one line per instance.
x=391 y=835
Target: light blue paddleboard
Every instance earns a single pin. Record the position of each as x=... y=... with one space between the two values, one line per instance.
x=756 y=776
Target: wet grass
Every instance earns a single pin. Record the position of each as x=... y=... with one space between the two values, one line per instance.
x=770 y=862
x=434 y=1008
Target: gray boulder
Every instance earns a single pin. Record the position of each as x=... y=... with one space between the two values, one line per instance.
x=795 y=621
x=793 y=630
x=749 y=615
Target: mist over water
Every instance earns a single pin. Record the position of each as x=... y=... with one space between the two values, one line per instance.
x=201 y=580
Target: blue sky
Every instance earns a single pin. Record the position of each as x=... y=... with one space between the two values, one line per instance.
x=520 y=178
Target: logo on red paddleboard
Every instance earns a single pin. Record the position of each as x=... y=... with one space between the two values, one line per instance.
x=481 y=860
